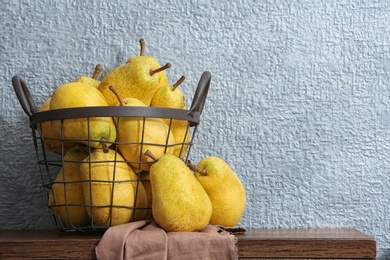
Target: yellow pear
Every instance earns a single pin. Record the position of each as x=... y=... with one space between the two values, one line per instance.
x=109 y=189
x=225 y=189
x=182 y=134
x=142 y=208
x=145 y=180
x=136 y=135
x=138 y=78
x=51 y=139
x=82 y=130
x=66 y=198
x=172 y=97
x=162 y=80
x=93 y=81
x=180 y=204
x=169 y=96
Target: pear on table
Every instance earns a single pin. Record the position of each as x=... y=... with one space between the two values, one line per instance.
x=138 y=134
x=179 y=202
x=138 y=78
x=171 y=96
x=225 y=189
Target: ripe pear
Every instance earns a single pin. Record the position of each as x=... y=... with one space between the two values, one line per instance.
x=145 y=180
x=225 y=189
x=138 y=78
x=182 y=134
x=109 y=189
x=163 y=80
x=66 y=198
x=169 y=96
x=179 y=201
x=77 y=95
x=51 y=139
x=142 y=208
x=172 y=97
x=93 y=81
x=136 y=135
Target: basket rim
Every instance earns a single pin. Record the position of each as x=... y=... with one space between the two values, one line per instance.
x=115 y=111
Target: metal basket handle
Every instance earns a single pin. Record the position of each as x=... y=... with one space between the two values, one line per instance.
x=30 y=108
x=200 y=94
x=24 y=96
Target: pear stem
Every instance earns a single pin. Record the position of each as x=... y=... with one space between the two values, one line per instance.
x=196 y=168
x=174 y=86
x=166 y=66
x=151 y=155
x=142 y=47
x=97 y=71
x=115 y=91
x=103 y=141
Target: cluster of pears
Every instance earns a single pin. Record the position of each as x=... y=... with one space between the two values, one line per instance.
x=140 y=82
x=96 y=188
x=187 y=197
x=103 y=157
x=121 y=169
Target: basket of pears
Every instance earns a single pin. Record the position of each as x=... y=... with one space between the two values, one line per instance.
x=92 y=135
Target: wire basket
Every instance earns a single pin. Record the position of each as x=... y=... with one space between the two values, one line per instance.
x=88 y=183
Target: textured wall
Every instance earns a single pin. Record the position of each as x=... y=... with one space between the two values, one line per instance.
x=298 y=106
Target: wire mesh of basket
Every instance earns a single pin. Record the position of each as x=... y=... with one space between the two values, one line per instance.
x=91 y=182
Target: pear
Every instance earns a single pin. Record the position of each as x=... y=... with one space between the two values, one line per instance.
x=136 y=135
x=169 y=96
x=225 y=189
x=110 y=188
x=83 y=130
x=172 y=97
x=66 y=198
x=93 y=81
x=179 y=204
x=143 y=206
x=145 y=180
x=181 y=132
x=138 y=78
x=163 y=80
x=51 y=139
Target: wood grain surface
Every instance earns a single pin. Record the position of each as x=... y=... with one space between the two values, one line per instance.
x=306 y=244
x=255 y=243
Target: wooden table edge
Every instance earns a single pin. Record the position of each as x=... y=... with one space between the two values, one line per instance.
x=255 y=243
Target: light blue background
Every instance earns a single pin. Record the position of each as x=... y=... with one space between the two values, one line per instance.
x=298 y=105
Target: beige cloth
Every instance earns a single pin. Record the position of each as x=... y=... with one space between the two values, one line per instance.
x=146 y=240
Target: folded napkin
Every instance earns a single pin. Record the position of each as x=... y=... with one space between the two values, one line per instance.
x=146 y=240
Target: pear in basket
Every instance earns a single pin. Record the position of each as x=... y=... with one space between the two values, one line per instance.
x=93 y=81
x=138 y=134
x=145 y=181
x=51 y=139
x=180 y=204
x=110 y=189
x=162 y=80
x=172 y=97
x=91 y=132
x=224 y=188
x=138 y=78
x=66 y=198
x=162 y=77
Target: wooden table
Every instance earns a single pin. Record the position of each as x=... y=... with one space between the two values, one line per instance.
x=255 y=243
